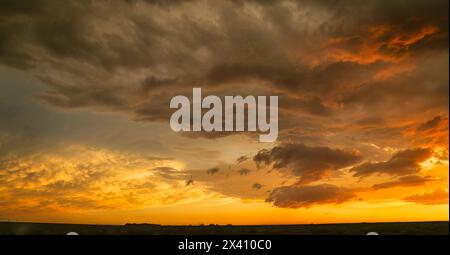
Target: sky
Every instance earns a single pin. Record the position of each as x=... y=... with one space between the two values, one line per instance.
x=363 y=111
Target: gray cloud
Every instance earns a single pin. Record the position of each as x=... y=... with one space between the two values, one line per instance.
x=85 y=61
x=306 y=196
x=308 y=163
x=402 y=163
x=405 y=181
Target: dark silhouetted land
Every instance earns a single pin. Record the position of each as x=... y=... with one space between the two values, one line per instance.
x=394 y=228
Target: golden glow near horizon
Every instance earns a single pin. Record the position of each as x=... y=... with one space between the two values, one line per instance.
x=362 y=106
x=112 y=188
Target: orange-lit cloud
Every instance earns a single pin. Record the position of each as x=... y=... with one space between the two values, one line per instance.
x=435 y=197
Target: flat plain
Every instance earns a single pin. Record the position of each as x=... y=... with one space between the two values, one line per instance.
x=388 y=228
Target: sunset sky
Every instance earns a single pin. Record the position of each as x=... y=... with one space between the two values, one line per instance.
x=85 y=88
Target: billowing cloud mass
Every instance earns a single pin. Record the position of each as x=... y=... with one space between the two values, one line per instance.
x=85 y=88
x=90 y=180
x=402 y=163
x=308 y=195
x=318 y=64
x=308 y=163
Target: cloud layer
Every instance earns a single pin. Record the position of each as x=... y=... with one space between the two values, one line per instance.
x=308 y=163
x=307 y=195
x=402 y=163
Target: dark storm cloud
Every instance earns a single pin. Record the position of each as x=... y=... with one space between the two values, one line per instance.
x=308 y=163
x=164 y=3
x=232 y=72
x=404 y=162
x=28 y=127
x=405 y=181
x=124 y=65
x=378 y=95
x=152 y=110
x=309 y=195
x=58 y=28
x=71 y=97
x=312 y=105
x=11 y=7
